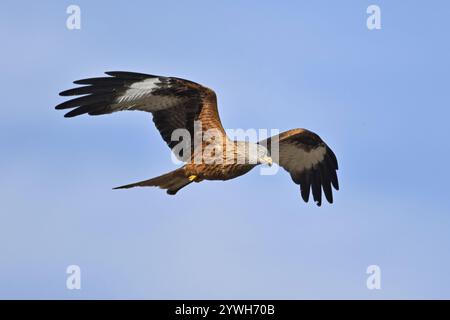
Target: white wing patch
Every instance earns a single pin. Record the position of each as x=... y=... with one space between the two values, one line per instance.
x=138 y=90
x=297 y=159
x=140 y=94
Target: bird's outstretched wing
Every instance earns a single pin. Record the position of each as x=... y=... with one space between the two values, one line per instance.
x=175 y=103
x=311 y=163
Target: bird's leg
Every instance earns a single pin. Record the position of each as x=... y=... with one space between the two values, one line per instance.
x=195 y=178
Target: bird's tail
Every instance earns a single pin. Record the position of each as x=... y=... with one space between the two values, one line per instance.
x=172 y=181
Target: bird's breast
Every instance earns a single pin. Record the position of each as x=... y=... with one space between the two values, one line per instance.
x=217 y=171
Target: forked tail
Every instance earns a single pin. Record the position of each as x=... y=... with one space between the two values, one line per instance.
x=172 y=181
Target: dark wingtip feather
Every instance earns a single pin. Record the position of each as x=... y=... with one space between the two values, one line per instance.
x=325 y=172
x=63 y=105
x=328 y=193
x=89 y=108
x=316 y=189
x=87 y=90
x=335 y=183
x=129 y=75
x=305 y=193
x=305 y=185
x=73 y=113
x=333 y=158
x=101 y=81
x=89 y=80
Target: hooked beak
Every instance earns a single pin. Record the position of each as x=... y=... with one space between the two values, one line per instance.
x=267 y=160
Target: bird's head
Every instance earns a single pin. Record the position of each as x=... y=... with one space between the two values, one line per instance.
x=252 y=153
x=263 y=155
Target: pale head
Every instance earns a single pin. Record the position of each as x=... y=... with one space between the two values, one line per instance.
x=252 y=153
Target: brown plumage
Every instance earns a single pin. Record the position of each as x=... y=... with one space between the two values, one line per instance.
x=182 y=104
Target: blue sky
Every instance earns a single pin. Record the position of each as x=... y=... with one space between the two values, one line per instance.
x=378 y=98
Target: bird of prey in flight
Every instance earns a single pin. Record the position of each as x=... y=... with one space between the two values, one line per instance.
x=178 y=104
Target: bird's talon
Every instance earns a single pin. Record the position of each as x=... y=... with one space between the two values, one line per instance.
x=192 y=178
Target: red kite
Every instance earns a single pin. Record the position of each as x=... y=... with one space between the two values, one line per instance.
x=178 y=104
